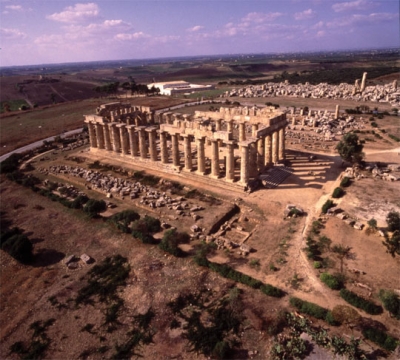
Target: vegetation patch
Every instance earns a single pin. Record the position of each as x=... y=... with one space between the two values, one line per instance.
x=381 y=338
x=335 y=282
x=359 y=302
x=312 y=309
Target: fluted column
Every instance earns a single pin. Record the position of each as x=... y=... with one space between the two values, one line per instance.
x=218 y=124
x=152 y=143
x=133 y=140
x=92 y=135
x=230 y=162
x=242 y=131
x=254 y=128
x=124 y=138
x=107 y=140
x=244 y=164
x=163 y=147
x=281 y=153
x=115 y=137
x=230 y=125
x=268 y=150
x=142 y=142
x=253 y=160
x=99 y=135
x=214 y=158
x=201 y=163
x=275 y=146
x=175 y=149
x=260 y=154
x=187 y=151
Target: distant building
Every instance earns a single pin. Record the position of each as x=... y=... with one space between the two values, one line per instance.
x=179 y=86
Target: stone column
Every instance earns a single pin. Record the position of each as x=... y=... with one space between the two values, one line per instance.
x=99 y=135
x=281 y=153
x=201 y=163
x=142 y=142
x=275 y=146
x=242 y=131
x=268 y=150
x=152 y=143
x=115 y=137
x=230 y=125
x=254 y=128
x=187 y=149
x=260 y=154
x=107 y=140
x=244 y=164
x=124 y=138
x=133 y=140
x=175 y=149
x=163 y=147
x=218 y=124
x=337 y=112
x=230 y=162
x=214 y=158
x=253 y=159
x=363 y=82
x=92 y=135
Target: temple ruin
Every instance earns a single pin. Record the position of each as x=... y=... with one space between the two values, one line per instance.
x=231 y=146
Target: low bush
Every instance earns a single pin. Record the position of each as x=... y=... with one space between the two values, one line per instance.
x=337 y=193
x=16 y=244
x=123 y=219
x=332 y=281
x=10 y=164
x=361 y=303
x=391 y=302
x=327 y=205
x=171 y=240
x=381 y=338
x=309 y=308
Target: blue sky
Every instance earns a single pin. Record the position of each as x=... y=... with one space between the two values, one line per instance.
x=49 y=31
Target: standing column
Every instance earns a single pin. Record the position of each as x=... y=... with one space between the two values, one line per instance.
x=100 y=136
x=175 y=149
x=244 y=167
x=115 y=137
x=337 y=112
x=92 y=135
x=107 y=140
x=230 y=125
x=142 y=142
x=242 y=131
x=163 y=147
x=218 y=124
x=281 y=153
x=201 y=163
x=268 y=150
x=260 y=154
x=152 y=143
x=214 y=158
x=275 y=146
x=253 y=159
x=254 y=128
x=133 y=140
x=230 y=162
x=124 y=138
x=188 y=152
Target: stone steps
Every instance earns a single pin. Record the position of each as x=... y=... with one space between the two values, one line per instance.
x=275 y=176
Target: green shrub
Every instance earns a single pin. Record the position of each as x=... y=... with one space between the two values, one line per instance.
x=272 y=291
x=337 y=193
x=361 y=303
x=10 y=164
x=391 y=302
x=124 y=218
x=16 y=244
x=171 y=240
x=94 y=207
x=332 y=281
x=317 y=265
x=381 y=338
x=309 y=308
x=327 y=205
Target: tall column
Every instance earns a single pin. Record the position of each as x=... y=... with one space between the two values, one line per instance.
x=230 y=125
x=275 y=146
x=142 y=142
x=175 y=149
x=260 y=154
x=214 y=158
x=115 y=137
x=201 y=163
x=364 y=82
x=124 y=138
x=337 y=112
x=230 y=162
x=99 y=135
x=281 y=153
x=242 y=131
x=253 y=159
x=107 y=140
x=152 y=143
x=187 y=149
x=92 y=135
x=133 y=140
x=254 y=128
x=244 y=164
x=218 y=124
x=268 y=150
x=163 y=147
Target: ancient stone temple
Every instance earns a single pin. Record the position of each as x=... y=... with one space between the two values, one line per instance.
x=228 y=147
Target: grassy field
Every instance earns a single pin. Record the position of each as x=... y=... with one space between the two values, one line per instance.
x=14 y=105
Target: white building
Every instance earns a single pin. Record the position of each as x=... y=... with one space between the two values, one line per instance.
x=179 y=86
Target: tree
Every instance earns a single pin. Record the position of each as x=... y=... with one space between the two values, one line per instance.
x=393 y=220
x=391 y=302
x=393 y=243
x=337 y=193
x=350 y=148
x=342 y=252
x=94 y=207
x=346 y=314
x=171 y=240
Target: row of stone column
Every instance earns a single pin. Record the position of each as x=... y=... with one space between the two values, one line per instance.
x=130 y=139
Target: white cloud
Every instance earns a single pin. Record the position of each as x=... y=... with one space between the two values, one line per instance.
x=76 y=13
x=7 y=33
x=257 y=18
x=134 y=36
x=318 y=25
x=14 y=7
x=304 y=15
x=195 y=28
x=357 y=19
x=320 y=33
x=353 y=5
